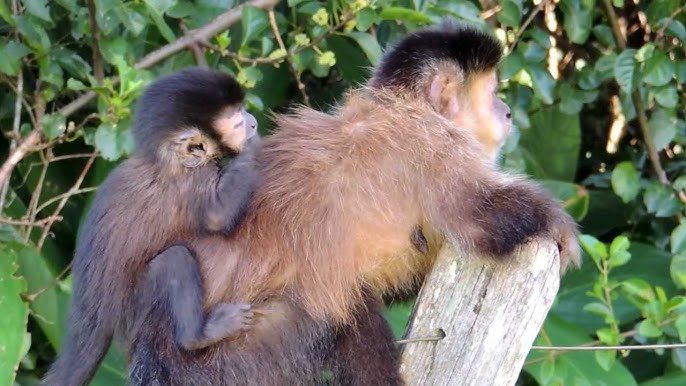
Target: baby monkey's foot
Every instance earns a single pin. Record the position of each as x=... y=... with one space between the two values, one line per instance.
x=228 y=319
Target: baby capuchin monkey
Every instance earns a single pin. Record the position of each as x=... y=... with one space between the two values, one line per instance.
x=133 y=270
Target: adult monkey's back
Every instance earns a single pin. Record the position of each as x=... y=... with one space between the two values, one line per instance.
x=331 y=227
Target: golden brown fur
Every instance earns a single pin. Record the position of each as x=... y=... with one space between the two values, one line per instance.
x=341 y=195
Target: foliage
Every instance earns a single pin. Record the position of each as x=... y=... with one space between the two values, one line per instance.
x=595 y=89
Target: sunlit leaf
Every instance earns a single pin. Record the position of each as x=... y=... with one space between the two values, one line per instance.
x=659 y=69
x=369 y=45
x=15 y=314
x=625 y=181
x=397 y=13
x=649 y=329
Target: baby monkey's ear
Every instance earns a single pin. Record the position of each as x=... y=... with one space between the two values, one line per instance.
x=191 y=148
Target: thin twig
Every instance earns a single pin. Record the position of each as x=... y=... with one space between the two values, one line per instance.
x=98 y=70
x=35 y=195
x=27 y=223
x=197 y=52
x=289 y=59
x=66 y=194
x=606 y=348
x=33 y=296
x=660 y=33
x=65 y=198
x=19 y=95
x=489 y=13
x=239 y=58
x=526 y=23
x=215 y=27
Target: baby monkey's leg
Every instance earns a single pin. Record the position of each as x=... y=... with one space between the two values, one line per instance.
x=173 y=284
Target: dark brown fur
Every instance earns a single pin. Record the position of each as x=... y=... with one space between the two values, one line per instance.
x=133 y=272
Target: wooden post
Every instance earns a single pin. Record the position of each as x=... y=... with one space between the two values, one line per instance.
x=490 y=313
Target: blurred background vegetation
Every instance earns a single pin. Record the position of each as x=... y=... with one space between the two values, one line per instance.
x=596 y=89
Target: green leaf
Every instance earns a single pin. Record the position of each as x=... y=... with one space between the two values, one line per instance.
x=578 y=21
x=670 y=379
x=254 y=21
x=398 y=315
x=551 y=145
x=619 y=244
x=663 y=127
x=75 y=84
x=638 y=288
x=369 y=45
x=650 y=264
x=510 y=13
x=570 y=102
x=605 y=358
x=353 y=61
x=680 y=325
x=543 y=83
x=10 y=61
x=160 y=6
x=397 y=13
x=619 y=254
x=33 y=33
x=15 y=314
x=619 y=259
x=365 y=18
x=649 y=329
x=6 y=14
x=574 y=198
x=598 y=248
x=158 y=19
x=608 y=336
x=661 y=200
x=106 y=142
x=676 y=29
x=511 y=65
x=598 y=309
x=677 y=269
x=678 y=238
x=625 y=181
x=38 y=8
x=659 y=69
x=604 y=35
x=625 y=68
x=54 y=125
x=573 y=368
x=667 y=96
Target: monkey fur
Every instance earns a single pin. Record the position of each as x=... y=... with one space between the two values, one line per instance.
x=332 y=224
x=132 y=269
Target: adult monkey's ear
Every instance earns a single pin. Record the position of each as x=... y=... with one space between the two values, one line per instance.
x=443 y=92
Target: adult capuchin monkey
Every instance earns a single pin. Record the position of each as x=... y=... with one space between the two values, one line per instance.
x=132 y=268
x=331 y=225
